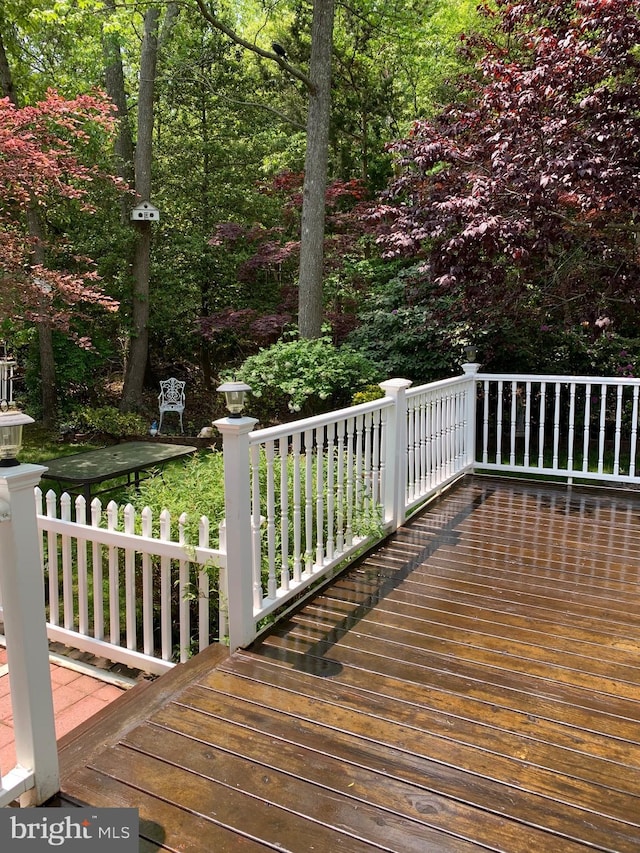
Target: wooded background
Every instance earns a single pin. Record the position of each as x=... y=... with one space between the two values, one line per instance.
x=347 y=192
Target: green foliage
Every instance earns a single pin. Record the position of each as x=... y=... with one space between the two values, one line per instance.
x=108 y=420
x=195 y=487
x=305 y=376
x=367 y=395
x=399 y=332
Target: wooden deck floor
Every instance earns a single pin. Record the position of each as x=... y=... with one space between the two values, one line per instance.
x=473 y=684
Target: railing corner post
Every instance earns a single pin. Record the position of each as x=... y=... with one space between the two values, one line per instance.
x=26 y=632
x=237 y=498
x=471 y=369
x=396 y=453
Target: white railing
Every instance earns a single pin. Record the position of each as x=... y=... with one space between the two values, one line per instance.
x=573 y=427
x=440 y=436
x=115 y=588
x=314 y=493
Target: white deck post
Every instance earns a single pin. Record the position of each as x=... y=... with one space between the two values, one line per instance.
x=471 y=370
x=237 y=499
x=396 y=453
x=26 y=632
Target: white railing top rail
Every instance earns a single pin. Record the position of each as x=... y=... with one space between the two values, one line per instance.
x=317 y=421
x=440 y=384
x=561 y=378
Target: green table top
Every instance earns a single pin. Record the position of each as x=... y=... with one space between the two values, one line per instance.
x=94 y=466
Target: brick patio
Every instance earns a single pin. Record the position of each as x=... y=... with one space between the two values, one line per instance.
x=76 y=697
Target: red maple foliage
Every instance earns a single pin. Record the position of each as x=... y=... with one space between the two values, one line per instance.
x=525 y=197
x=41 y=163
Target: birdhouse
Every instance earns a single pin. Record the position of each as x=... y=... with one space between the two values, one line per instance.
x=145 y=212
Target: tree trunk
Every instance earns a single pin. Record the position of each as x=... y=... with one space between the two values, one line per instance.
x=315 y=172
x=114 y=84
x=6 y=78
x=139 y=343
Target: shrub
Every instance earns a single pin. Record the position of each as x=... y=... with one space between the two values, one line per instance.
x=305 y=376
x=107 y=420
x=367 y=395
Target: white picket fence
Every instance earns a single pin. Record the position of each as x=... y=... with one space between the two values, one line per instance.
x=117 y=590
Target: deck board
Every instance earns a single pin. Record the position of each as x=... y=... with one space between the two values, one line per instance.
x=472 y=684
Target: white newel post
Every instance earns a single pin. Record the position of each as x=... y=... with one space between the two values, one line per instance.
x=396 y=453
x=237 y=499
x=26 y=633
x=470 y=370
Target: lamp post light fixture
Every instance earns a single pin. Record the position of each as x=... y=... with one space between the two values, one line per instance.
x=11 y=423
x=234 y=393
x=470 y=353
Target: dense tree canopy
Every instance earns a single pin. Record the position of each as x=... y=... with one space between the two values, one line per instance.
x=45 y=163
x=521 y=201
x=507 y=160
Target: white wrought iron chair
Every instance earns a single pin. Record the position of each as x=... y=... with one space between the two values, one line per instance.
x=171 y=399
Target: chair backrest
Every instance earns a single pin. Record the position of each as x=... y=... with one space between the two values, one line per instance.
x=171 y=393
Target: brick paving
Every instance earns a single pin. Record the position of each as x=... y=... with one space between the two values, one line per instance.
x=76 y=697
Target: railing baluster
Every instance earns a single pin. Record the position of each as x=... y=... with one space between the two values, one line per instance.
x=587 y=427
x=411 y=450
x=297 y=511
x=499 y=413
x=542 y=412
x=382 y=443
x=430 y=442
x=422 y=444
x=272 y=582
x=603 y=423
x=256 y=528
x=308 y=500
x=618 y=427
x=634 y=433
x=514 y=419
x=340 y=492
x=285 y=572
x=376 y=462
x=572 y=420
x=527 y=424
x=331 y=484
x=348 y=533
x=319 y=445
x=359 y=486
x=366 y=465
x=485 y=421
x=437 y=437
x=556 y=427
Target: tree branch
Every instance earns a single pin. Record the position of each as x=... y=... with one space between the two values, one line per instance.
x=267 y=54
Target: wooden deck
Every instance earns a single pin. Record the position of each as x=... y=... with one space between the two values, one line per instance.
x=473 y=684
